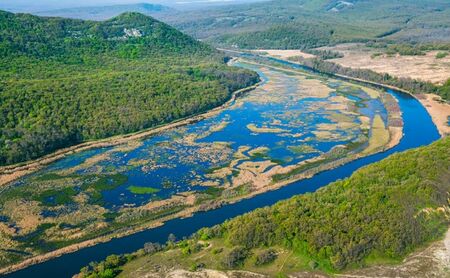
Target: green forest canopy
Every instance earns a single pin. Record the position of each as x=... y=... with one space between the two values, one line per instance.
x=379 y=214
x=385 y=209
x=65 y=81
x=291 y=23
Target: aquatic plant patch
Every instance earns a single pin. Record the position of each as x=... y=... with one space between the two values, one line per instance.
x=293 y=126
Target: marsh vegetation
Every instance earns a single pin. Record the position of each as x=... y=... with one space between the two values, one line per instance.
x=379 y=215
x=291 y=127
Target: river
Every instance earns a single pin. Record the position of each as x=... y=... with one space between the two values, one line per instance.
x=418 y=130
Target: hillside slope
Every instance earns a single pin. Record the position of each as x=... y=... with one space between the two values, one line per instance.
x=279 y=24
x=379 y=215
x=66 y=81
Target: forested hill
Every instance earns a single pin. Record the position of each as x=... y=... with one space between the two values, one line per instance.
x=380 y=214
x=294 y=23
x=383 y=211
x=41 y=37
x=65 y=81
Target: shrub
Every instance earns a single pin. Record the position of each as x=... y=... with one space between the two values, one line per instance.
x=313 y=264
x=441 y=55
x=196 y=266
x=266 y=257
x=151 y=248
x=236 y=257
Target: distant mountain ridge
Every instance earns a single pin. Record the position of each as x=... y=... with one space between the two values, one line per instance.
x=280 y=23
x=107 y=12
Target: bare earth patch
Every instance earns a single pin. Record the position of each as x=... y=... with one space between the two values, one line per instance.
x=284 y=54
x=208 y=273
x=439 y=111
x=426 y=68
x=433 y=261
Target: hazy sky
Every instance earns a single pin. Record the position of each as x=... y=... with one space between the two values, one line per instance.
x=41 y=5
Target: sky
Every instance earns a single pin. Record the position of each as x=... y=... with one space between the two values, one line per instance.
x=43 y=5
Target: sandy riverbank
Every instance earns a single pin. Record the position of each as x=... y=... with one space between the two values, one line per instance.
x=438 y=110
x=284 y=53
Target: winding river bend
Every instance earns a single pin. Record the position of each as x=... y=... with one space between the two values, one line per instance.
x=418 y=130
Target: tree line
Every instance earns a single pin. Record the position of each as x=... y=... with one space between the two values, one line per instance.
x=412 y=85
x=384 y=210
x=381 y=213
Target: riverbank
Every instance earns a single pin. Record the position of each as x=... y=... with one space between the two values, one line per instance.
x=426 y=67
x=339 y=206
x=14 y=172
x=284 y=54
x=184 y=213
x=439 y=111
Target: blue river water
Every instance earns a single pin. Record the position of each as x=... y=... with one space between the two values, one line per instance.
x=168 y=163
x=418 y=130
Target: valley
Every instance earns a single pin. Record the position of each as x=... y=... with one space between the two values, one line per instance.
x=214 y=161
x=242 y=138
x=103 y=161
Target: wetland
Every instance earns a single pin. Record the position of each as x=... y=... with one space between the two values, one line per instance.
x=293 y=126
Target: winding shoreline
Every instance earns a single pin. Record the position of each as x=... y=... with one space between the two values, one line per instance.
x=11 y=173
x=434 y=107
x=188 y=212
x=439 y=111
